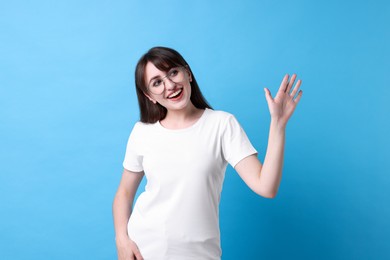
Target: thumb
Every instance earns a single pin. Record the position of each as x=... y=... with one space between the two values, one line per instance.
x=268 y=96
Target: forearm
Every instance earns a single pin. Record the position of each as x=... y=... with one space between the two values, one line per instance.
x=121 y=208
x=265 y=179
x=271 y=171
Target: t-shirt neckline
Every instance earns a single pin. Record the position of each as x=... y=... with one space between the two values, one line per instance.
x=201 y=118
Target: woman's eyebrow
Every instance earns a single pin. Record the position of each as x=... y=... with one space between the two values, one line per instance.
x=155 y=77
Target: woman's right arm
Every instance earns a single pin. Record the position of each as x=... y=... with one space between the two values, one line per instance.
x=121 y=208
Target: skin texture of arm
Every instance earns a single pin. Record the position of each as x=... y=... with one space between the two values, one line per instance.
x=265 y=179
x=121 y=208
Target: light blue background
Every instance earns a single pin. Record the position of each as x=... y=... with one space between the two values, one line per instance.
x=67 y=105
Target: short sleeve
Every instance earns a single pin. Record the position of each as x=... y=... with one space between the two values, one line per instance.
x=133 y=158
x=235 y=143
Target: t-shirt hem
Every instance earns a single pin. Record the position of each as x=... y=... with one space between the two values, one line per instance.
x=243 y=156
x=133 y=168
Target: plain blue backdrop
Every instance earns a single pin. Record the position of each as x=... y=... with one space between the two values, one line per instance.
x=67 y=106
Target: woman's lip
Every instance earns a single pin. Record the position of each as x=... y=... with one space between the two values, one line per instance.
x=176 y=90
x=177 y=97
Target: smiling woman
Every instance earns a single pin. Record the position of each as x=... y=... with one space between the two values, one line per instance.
x=158 y=65
x=183 y=147
x=157 y=85
x=177 y=88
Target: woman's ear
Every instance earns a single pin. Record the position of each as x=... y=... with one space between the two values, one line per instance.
x=150 y=98
x=189 y=75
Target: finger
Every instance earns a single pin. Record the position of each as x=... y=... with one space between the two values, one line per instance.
x=137 y=255
x=283 y=85
x=296 y=100
x=296 y=88
x=268 y=96
x=291 y=83
x=136 y=251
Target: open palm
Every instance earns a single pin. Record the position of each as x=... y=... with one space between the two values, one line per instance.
x=283 y=105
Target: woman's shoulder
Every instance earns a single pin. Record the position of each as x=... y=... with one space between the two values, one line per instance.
x=141 y=128
x=142 y=125
x=220 y=114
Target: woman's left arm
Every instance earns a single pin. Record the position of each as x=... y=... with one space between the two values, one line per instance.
x=265 y=179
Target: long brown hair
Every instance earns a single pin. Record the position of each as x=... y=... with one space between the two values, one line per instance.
x=164 y=59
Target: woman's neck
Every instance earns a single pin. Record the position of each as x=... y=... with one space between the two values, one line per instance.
x=178 y=119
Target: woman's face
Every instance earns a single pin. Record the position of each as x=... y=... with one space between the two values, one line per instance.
x=171 y=89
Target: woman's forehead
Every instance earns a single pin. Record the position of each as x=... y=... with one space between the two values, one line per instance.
x=151 y=71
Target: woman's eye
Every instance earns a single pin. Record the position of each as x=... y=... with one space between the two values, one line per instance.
x=173 y=72
x=156 y=83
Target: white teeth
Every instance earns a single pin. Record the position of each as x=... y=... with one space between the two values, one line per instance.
x=175 y=93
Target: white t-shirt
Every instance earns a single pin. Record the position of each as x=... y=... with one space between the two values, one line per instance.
x=177 y=216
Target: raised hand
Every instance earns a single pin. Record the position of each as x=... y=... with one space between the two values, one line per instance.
x=283 y=105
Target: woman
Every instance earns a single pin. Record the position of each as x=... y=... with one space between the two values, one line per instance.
x=183 y=147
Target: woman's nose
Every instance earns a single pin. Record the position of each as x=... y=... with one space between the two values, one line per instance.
x=169 y=84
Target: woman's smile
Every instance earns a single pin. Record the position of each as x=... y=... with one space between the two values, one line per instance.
x=176 y=95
